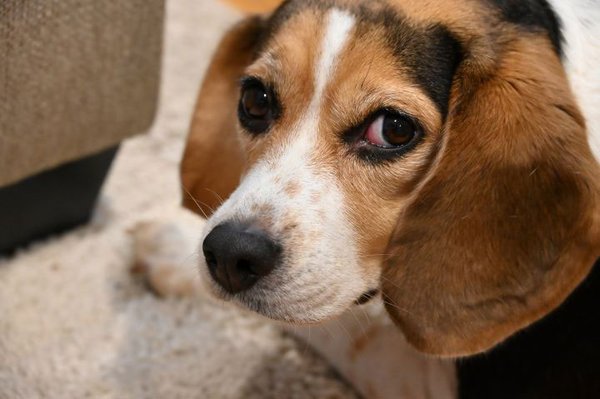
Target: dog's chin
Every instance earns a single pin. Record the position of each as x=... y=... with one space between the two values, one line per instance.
x=263 y=302
x=291 y=314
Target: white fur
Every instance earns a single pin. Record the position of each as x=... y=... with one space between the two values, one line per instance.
x=339 y=26
x=580 y=21
x=368 y=350
x=320 y=277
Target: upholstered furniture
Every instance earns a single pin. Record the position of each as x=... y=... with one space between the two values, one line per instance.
x=76 y=78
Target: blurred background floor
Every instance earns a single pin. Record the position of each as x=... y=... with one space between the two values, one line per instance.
x=75 y=324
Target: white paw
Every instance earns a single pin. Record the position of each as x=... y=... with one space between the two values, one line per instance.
x=166 y=255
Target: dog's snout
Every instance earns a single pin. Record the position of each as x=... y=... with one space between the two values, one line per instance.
x=237 y=256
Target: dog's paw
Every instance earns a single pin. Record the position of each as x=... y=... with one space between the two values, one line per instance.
x=166 y=256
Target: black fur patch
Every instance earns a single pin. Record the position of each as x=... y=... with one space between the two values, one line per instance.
x=431 y=54
x=557 y=357
x=532 y=15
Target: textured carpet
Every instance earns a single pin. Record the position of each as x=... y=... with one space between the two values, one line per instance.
x=74 y=323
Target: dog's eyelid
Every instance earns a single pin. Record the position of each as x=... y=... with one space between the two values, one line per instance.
x=364 y=122
x=402 y=112
x=251 y=79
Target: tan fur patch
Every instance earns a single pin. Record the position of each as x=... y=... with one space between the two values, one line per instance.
x=292 y=189
x=254 y=6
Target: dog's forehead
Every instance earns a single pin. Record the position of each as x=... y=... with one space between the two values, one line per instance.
x=377 y=10
x=429 y=38
x=425 y=49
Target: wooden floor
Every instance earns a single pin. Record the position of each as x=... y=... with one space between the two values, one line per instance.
x=254 y=5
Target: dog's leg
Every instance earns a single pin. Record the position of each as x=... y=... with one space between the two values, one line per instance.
x=370 y=352
x=166 y=254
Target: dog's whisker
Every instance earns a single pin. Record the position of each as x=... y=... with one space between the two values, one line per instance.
x=331 y=335
x=391 y=282
x=196 y=202
x=366 y=314
x=306 y=343
x=361 y=325
x=219 y=198
x=384 y=257
x=211 y=208
x=393 y=305
x=341 y=325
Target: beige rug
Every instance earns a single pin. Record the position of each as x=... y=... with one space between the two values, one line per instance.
x=75 y=324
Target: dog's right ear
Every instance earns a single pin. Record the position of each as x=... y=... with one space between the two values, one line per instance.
x=508 y=223
x=213 y=160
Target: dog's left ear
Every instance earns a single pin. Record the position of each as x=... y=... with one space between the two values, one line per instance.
x=213 y=160
x=507 y=224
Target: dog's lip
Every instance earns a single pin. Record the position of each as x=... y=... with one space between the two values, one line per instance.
x=366 y=297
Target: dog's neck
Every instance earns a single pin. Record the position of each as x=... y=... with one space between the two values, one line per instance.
x=557 y=357
x=580 y=25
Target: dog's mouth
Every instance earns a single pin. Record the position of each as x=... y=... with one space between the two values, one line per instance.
x=293 y=313
x=367 y=297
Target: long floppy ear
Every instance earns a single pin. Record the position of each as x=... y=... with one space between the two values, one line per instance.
x=508 y=222
x=213 y=160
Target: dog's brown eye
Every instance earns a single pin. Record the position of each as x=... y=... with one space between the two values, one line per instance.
x=257 y=106
x=255 y=102
x=391 y=130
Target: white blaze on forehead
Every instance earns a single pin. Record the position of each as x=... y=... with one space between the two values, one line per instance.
x=339 y=26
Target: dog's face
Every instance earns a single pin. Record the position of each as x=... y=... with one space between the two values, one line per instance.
x=376 y=149
x=336 y=141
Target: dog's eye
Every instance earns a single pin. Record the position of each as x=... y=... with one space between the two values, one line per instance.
x=255 y=101
x=256 y=108
x=391 y=130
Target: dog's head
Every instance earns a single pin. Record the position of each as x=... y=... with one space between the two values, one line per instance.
x=430 y=149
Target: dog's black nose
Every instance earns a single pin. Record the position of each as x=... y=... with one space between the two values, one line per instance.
x=238 y=256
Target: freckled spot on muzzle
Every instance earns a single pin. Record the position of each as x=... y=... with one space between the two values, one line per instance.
x=292 y=189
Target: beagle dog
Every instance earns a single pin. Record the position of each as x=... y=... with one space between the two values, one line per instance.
x=440 y=155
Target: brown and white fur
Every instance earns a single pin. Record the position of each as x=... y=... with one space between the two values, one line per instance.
x=483 y=228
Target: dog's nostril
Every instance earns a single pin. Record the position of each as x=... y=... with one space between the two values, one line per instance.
x=238 y=257
x=211 y=260
x=244 y=266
